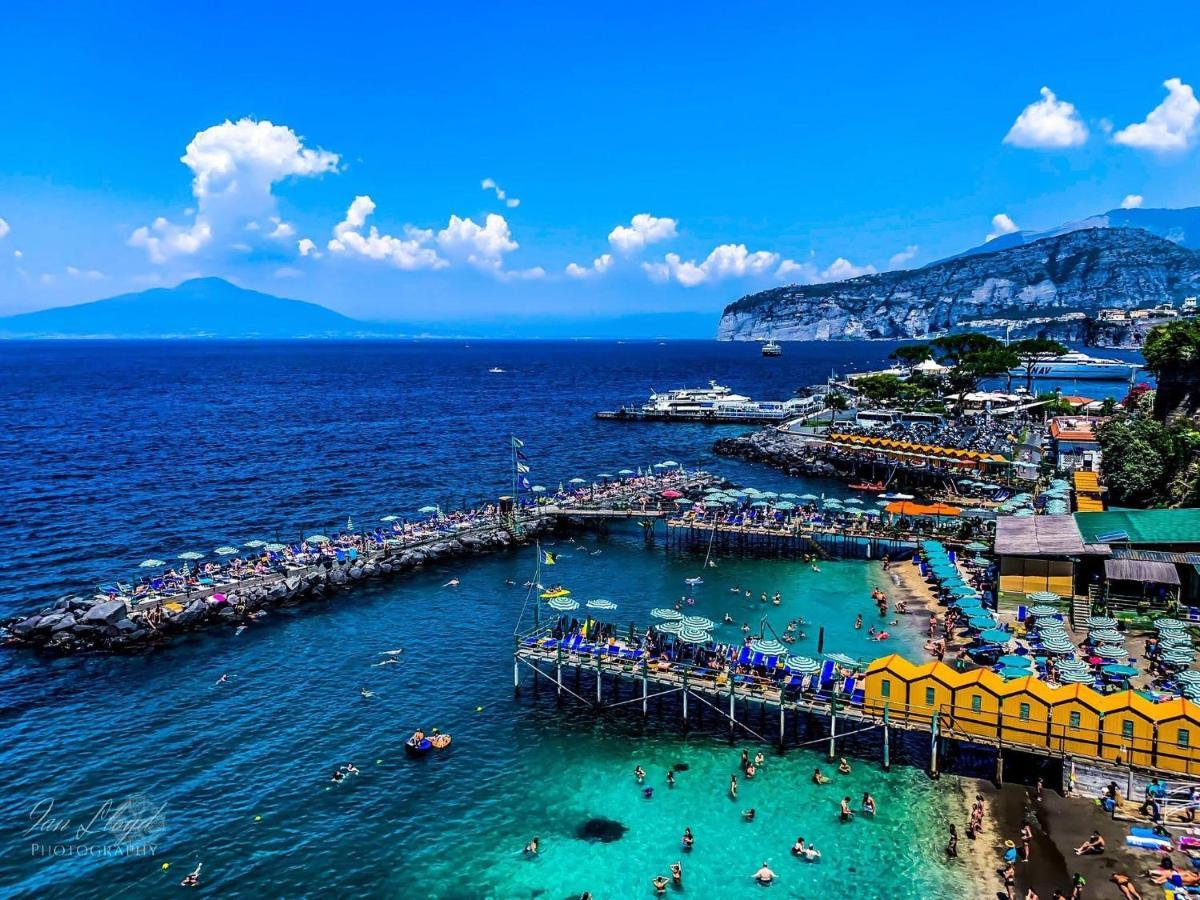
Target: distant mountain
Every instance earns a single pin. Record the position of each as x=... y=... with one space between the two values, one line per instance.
x=1182 y=226
x=201 y=307
x=1047 y=286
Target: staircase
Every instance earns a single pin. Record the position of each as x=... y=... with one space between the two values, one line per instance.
x=1081 y=607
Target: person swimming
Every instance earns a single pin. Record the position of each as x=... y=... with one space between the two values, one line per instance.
x=868 y=804
x=764 y=875
x=648 y=793
x=811 y=853
x=798 y=847
x=351 y=769
x=843 y=766
x=670 y=778
x=819 y=777
x=531 y=849
x=846 y=813
x=858 y=622
x=728 y=619
x=733 y=786
x=639 y=773
x=689 y=839
x=337 y=776
x=453 y=582
x=193 y=878
x=365 y=694
x=660 y=884
x=759 y=759
x=749 y=814
x=751 y=771
x=677 y=874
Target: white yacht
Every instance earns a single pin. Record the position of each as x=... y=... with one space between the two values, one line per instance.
x=716 y=403
x=772 y=348
x=1080 y=365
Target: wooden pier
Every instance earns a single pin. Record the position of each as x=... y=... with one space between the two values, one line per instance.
x=788 y=541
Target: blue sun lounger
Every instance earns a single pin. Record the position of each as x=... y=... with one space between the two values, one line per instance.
x=827 y=671
x=744 y=657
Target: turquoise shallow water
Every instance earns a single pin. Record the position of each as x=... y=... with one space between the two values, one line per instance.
x=117 y=453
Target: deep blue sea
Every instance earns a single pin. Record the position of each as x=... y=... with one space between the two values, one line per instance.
x=115 y=452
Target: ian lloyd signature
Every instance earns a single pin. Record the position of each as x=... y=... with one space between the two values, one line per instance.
x=121 y=826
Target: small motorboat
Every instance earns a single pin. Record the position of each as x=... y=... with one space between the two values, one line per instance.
x=413 y=747
x=496 y=370
x=694 y=581
x=866 y=486
x=895 y=496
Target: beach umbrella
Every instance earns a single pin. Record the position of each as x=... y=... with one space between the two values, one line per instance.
x=1039 y=610
x=759 y=504
x=803 y=665
x=1107 y=651
x=853 y=501
x=669 y=627
x=225 y=550
x=1119 y=670
x=1106 y=636
x=538 y=489
x=1058 y=648
x=621 y=472
x=996 y=636
x=274 y=548
x=831 y=501
x=737 y=493
x=1169 y=625
x=699 y=622
x=785 y=505
x=768 y=647
x=665 y=613
x=1174 y=639
x=1015 y=661
x=317 y=539
x=682 y=501
x=255 y=544
x=770 y=495
x=191 y=554
x=712 y=504
x=605 y=475
x=1076 y=678
x=1010 y=673
x=669 y=463
x=601 y=604
x=562 y=604
x=843 y=660
x=789 y=496
x=388 y=518
x=1072 y=662
x=694 y=635
x=981 y=623
x=1178 y=655
x=670 y=494
x=425 y=510
x=1101 y=622
x=1191 y=691
x=1191 y=676
x=977 y=547
x=151 y=564
x=577 y=480
x=808 y=497
x=964 y=592
x=1043 y=597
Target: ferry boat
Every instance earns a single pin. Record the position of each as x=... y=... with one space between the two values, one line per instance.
x=772 y=348
x=1081 y=366
x=716 y=403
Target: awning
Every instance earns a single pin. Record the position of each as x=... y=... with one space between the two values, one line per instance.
x=1141 y=570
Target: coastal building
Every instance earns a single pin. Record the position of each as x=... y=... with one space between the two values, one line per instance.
x=1074 y=443
x=1112 y=315
x=1189 y=307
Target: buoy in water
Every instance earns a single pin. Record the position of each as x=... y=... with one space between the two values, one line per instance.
x=479 y=709
x=166 y=866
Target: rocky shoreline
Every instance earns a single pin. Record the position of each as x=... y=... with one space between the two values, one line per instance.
x=77 y=624
x=773 y=448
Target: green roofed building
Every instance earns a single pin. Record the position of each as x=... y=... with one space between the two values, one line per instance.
x=1161 y=527
x=1153 y=554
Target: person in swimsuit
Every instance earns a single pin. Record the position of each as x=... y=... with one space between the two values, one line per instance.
x=689 y=840
x=639 y=773
x=670 y=778
x=1026 y=840
x=846 y=813
x=733 y=786
x=531 y=849
x=798 y=847
x=1128 y=889
x=843 y=766
x=819 y=778
x=749 y=814
x=1009 y=875
x=1094 y=844
x=868 y=804
x=660 y=884
x=677 y=874
x=952 y=843
x=192 y=879
x=764 y=875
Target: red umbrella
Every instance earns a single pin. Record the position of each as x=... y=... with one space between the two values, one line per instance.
x=672 y=495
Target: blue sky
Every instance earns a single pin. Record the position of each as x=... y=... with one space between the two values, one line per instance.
x=760 y=144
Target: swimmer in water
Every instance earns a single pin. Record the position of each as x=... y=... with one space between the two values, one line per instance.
x=764 y=875
x=846 y=813
x=733 y=786
x=365 y=694
x=337 y=776
x=749 y=814
x=763 y=597
x=811 y=853
x=798 y=847
x=223 y=679
x=843 y=766
x=728 y=619
x=395 y=652
x=639 y=773
x=670 y=778
x=453 y=582
x=858 y=622
x=351 y=769
x=677 y=874
x=745 y=628
x=819 y=777
x=868 y=804
x=689 y=840
x=648 y=793
x=747 y=595
x=759 y=759
x=751 y=770
x=390 y=661
x=192 y=879
x=735 y=590
x=531 y=849
x=660 y=884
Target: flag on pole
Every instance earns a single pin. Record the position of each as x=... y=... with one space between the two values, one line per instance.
x=521 y=467
x=517 y=442
x=549 y=558
x=523 y=483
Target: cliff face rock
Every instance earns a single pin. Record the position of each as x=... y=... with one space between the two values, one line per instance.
x=1047 y=287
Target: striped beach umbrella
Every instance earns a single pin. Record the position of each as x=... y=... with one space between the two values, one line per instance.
x=694 y=635
x=1076 y=678
x=151 y=564
x=255 y=544
x=803 y=665
x=1106 y=636
x=768 y=647
x=191 y=554
x=1107 y=651
x=274 y=548
x=225 y=550
x=699 y=622
x=1190 y=676
x=1101 y=622
x=601 y=604
x=562 y=604
x=1043 y=610
x=671 y=615
x=843 y=660
x=1168 y=623
x=317 y=539
x=1072 y=663
x=1044 y=597
x=671 y=627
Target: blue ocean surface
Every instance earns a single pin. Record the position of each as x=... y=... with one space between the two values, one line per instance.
x=117 y=767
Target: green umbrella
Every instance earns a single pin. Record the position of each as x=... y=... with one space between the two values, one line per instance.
x=1191 y=676
x=577 y=480
x=853 y=501
x=538 y=489
x=768 y=647
x=601 y=604
x=1044 y=596
x=669 y=627
x=977 y=547
x=621 y=472
x=1119 y=670
x=1076 y=678
x=1106 y=651
x=275 y=548
x=562 y=604
x=665 y=613
x=151 y=564
x=254 y=545
x=699 y=622
x=1103 y=622
x=191 y=554
x=225 y=551
x=808 y=497
x=843 y=660
x=996 y=636
x=317 y=539
x=690 y=635
x=1043 y=610
x=803 y=665
x=789 y=496
x=425 y=510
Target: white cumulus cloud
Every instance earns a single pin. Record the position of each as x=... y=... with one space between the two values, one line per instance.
x=642 y=231
x=4 y=228
x=1001 y=224
x=308 y=247
x=408 y=252
x=905 y=256
x=599 y=266
x=482 y=246
x=235 y=166
x=1132 y=201
x=841 y=269
x=1170 y=126
x=725 y=261
x=489 y=184
x=1046 y=124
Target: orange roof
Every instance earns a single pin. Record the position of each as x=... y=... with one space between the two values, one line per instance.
x=1073 y=428
x=908 y=508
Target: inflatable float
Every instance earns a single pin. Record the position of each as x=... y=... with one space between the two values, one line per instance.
x=556 y=592
x=413 y=747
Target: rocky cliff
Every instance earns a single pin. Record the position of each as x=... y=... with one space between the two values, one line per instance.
x=1048 y=287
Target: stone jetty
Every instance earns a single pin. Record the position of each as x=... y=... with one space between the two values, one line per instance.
x=79 y=624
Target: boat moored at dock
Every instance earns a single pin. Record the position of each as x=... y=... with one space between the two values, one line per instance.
x=716 y=403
